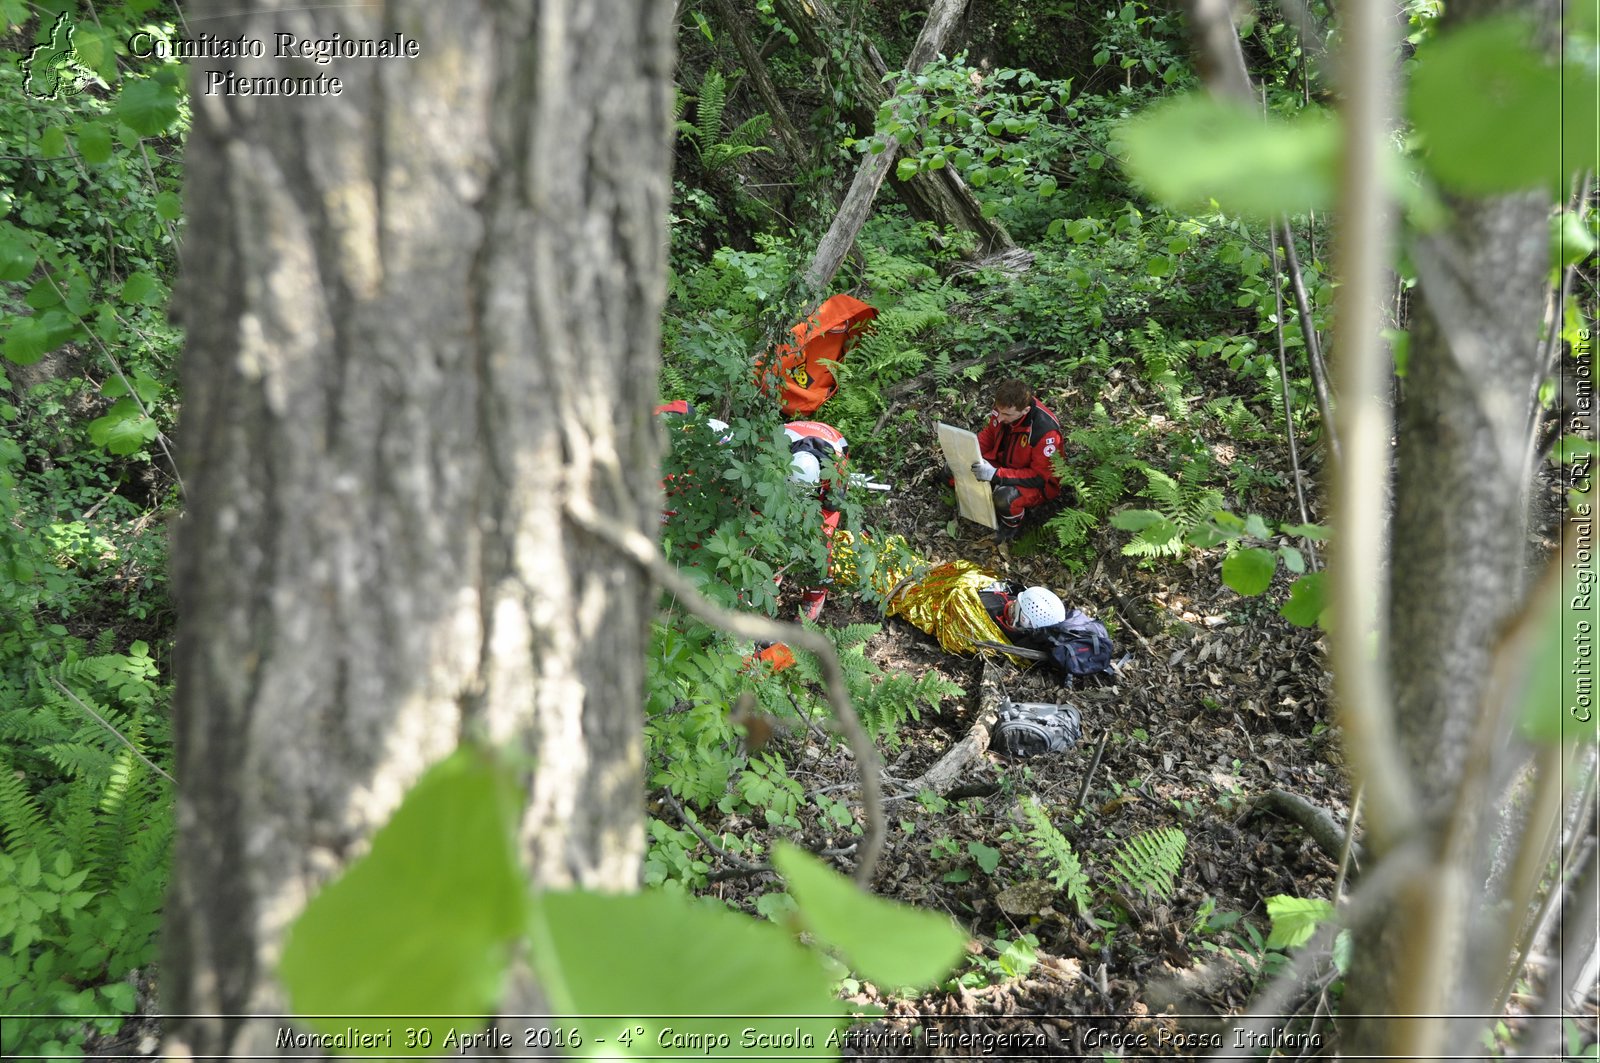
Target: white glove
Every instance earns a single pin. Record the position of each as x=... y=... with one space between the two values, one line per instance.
x=983 y=470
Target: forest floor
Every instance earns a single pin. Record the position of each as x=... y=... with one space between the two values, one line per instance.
x=1218 y=702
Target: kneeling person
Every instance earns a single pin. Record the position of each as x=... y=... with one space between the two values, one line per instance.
x=1017 y=443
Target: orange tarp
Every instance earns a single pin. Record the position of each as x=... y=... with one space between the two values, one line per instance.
x=802 y=381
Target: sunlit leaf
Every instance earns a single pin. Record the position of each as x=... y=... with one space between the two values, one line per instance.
x=396 y=934
x=1194 y=149
x=888 y=943
x=1295 y=919
x=1308 y=601
x=1249 y=571
x=1494 y=115
x=668 y=966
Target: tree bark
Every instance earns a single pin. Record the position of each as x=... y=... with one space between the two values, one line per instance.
x=1455 y=561
x=937 y=196
x=733 y=22
x=422 y=315
x=857 y=205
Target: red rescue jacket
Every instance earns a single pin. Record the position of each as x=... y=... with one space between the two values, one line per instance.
x=1021 y=452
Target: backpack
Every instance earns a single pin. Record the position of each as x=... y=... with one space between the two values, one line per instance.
x=1033 y=728
x=1079 y=645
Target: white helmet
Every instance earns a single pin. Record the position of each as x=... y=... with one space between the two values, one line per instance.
x=1036 y=608
x=804 y=468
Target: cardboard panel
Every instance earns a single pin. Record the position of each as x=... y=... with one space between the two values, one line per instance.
x=972 y=494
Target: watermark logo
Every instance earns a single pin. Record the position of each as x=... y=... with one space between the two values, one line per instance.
x=51 y=69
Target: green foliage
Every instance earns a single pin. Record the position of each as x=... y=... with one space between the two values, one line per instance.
x=1061 y=861
x=85 y=834
x=1295 y=919
x=1250 y=569
x=391 y=935
x=716 y=150
x=887 y=943
x=1496 y=115
x=355 y=948
x=1145 y=864
x=884 y=701
x=1148 y=862
x=1180 y=508
x=1197 y=151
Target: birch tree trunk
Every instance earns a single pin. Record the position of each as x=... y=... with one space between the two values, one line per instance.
x=422 y=316
x=937 y=196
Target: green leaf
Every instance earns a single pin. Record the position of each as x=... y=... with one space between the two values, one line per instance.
x=1307 y=600
x=17 y=257
x=905 y=169
x=987 y=858
x=1494 y=115
x=423 y=924
x=94 y=143
x=147 y=106
x=169 y=206
x=1193 y=149
x=1295 y=919
x=1315 y=532
x=96 y=49
x=1249 y=571
x=1571 y=241
x=29 y=339
x=664 y=961
x=142 y=288
x=1256 y=526
x=1571 y=449
x=1047 y=185
x=1293 y=559
x=1158 y=266
x=1135 y=519
x=54 y=142
x=124 y=430
x=888 y=943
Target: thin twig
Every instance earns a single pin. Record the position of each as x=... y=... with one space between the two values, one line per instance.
x=107 y=724
x=693 y=824
x=1308 y=332
x=1348 y=851
x=1088 y=776
x=637 y=547
x=1288 y=398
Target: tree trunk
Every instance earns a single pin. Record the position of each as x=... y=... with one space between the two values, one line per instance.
x=1456 y=560
x=937 y=196
x=733 y=22
x=422 y=314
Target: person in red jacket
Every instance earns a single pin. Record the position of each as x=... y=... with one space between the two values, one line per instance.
x=1017 y=443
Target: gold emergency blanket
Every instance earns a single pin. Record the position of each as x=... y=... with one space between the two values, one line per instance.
x=944 y=602
x=894 y=563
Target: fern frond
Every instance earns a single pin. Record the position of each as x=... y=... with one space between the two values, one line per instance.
x=1148 y=862
x=1071 y=527
x=23 y=824
x=750 y=132
x=78 y=760
x=1161 y=539
x=1063 y=868
x=709 y=105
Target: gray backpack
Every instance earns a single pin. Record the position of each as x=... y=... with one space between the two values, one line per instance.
x=1033 y=728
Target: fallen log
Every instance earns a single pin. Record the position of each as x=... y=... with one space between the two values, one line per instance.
x=1323 y=827
x=944 y=774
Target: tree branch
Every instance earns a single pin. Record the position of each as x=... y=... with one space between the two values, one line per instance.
x=637 y=547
